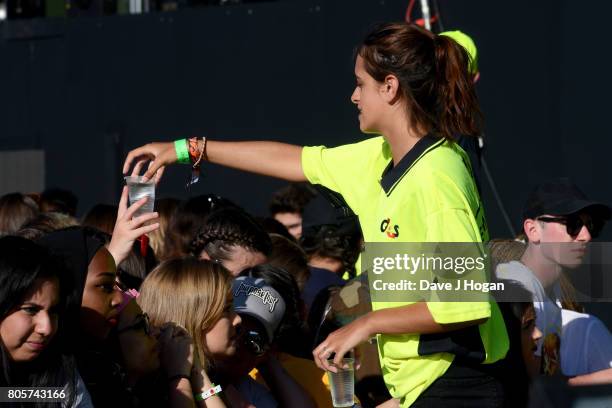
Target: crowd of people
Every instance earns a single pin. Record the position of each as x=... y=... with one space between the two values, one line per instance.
x=202 y=304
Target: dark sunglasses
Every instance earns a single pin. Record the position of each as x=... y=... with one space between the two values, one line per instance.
x=255 y=342
x=142 y=323
x=574 y=223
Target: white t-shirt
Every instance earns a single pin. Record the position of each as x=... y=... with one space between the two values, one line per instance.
x=548 y=313
x=586 y=344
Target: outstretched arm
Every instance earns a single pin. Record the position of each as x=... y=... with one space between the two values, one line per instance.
x=273 y=159
x=414 y=318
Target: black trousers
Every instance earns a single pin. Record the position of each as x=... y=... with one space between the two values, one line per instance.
x=464 y=386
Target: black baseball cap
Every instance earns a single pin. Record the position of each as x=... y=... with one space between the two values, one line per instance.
x=561 y=197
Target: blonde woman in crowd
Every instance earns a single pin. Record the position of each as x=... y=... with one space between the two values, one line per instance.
x=203 y=308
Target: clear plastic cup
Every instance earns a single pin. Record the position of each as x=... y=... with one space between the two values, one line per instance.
x=138 y=189
x=342 y=384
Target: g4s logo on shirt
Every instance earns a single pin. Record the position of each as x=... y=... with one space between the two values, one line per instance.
x=391 y=231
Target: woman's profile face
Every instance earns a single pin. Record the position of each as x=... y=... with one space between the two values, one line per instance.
x=28 y=330
x=367 y=96
x=101 y=299
x=139 y=347
x=222 y=339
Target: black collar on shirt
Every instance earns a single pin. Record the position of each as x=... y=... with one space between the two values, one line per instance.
x=393 y=174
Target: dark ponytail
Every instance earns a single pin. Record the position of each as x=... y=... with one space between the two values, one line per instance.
x=433 y=75
x=458 y=110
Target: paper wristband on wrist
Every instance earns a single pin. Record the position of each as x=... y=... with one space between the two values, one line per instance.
x=203 y=396
x=182 y=153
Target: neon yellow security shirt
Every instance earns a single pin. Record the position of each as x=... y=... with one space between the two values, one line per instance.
x=429 y=196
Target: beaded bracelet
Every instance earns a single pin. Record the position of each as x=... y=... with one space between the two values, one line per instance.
x=194 y=152
x=195 y=157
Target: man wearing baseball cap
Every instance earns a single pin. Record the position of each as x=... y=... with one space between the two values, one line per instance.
x=558 y=221
x=262 y=309
x=259 y=301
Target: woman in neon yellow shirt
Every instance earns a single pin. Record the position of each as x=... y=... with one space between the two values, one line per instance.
x=412 y=184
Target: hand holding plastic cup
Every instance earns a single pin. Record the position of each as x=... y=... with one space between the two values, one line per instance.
x=342 y=383
x=138 y=189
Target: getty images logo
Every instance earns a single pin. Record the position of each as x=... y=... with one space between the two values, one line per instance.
x=392 y=231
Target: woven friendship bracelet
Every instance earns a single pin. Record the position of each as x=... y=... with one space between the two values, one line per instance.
x=194 y=152
x=195 y=157
x=201 y=155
